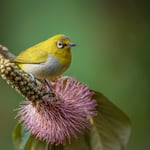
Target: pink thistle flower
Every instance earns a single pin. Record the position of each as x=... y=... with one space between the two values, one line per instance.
x=56 y=123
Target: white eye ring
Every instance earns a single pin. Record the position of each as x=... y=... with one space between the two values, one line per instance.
x=60 y=44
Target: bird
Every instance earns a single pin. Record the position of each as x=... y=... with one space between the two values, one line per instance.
x=48 y=59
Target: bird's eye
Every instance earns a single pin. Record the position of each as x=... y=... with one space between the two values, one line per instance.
x=60 y=44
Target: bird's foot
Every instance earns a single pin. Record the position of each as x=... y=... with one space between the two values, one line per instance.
x=49 y=87
x=33 y=78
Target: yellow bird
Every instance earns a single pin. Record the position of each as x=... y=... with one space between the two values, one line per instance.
x=48 y=59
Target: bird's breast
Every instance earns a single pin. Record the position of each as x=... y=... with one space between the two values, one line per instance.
x=49 y=69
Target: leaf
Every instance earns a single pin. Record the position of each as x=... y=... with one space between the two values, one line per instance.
x=23 y=140
x=110 y=130
x=17 y=136
x=78 y=144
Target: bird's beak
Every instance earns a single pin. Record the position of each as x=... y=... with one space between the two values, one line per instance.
x=71 y=44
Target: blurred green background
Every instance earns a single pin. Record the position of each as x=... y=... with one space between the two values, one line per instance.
x=112 y=53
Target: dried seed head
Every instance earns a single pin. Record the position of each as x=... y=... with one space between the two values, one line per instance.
x=5 y=53
x=22 y=82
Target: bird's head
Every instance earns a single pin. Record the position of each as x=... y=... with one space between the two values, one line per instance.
x=59 y=44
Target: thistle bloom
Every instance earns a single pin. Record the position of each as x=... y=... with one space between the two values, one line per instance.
x=55 y=114
x=59 y=122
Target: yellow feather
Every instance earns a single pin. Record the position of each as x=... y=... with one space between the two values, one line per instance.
x=47 y=59
x=31 y=56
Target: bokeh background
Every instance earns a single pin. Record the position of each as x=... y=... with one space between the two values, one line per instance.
x=112 y=55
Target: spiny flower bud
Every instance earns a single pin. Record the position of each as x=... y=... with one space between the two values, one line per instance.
x=57 y=123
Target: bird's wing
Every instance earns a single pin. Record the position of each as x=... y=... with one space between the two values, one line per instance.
x=31 y=56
